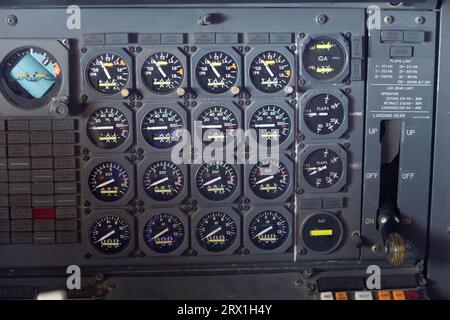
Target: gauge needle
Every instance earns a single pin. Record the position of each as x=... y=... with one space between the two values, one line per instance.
x=156 y=236
x=212 y=233
x=265 y=179
x=106 y=71
x=268 y=69
x=106 y=236
x=159 y=181
x=263 y=232
x=104 y=184
x=103 y=128
x=317 y=170
x=161 y=70
x=211 y=181
x=213 y=69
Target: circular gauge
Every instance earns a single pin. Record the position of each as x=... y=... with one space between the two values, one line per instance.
x=268 y=230
x=31 y=76
x=324 y=58
x=323 y=168
x=162 y=73
x=216 y=232
x=109 y=181
x=108 y=128
x=323 y=114
x=162 y=128
x=322 y=232
x=110 y=235
x=164 y=233
x=270 y=72
x=216 y=72
x=272 y=123
x=269 y=179
x=216 y=180
x=218 y=124
x=107 y=73
x=163 y=180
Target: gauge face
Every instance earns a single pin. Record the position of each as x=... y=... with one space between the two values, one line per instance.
x=323 y=114
x=107 y=73
x=324 y=58
x=216 y=180
x=163 y=181
x=108 y=128
x=218 y=124
x=110 y=235
x=31 y=74
x=323 y=168
x=322 y=232
x=268 y=230
x=162 y=73
x=164 y=233
x=272 y=124
x=270 y=72
x=216 y=232
x=269 y=179
x=162 y=128
x=216 y=72
x=109 y=181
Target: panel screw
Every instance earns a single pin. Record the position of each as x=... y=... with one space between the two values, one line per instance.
x=376 y=248
x=389 y=19
x=302 y=251
x=322 y=19
x=12 y=20
x=420 y=20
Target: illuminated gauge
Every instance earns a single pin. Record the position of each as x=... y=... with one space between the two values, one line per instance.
x=110 y=235
x=323 y=114
x=323 y=168
x=216 y=180
x=216 y=232
x=107 y=73
x=324 y=58
x=218 y=124
x=108 y=128
x=162 y=127
x=32 y=77
x=272 y=124
x=216 y=72
x=109 y=181
x=269 y=179
x=164 y=233
x=162 y=73
x=268 y=230
x=163 y=180
x=322 y=232
x=270 y=72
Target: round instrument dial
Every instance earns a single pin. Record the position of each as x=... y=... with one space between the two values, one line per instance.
x=218 y=124
x=269 y=179
x=216 y=180
x=272 y=124
x=268 y=230
x=110 y=235
x=32 y=76
x=108 y=128
x=324 y=58
x=322 y=232
x=216 y=72
x=164 y=233
x=163 y=180
x=162 y=128
x=270 y=72
x=109 y=181
x=162 y=73
x=323 y=168
x=216 y=232
x=323 y=114
x=107 y=73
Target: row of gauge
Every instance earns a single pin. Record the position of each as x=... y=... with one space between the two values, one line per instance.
x=163 y=182
x=161 y=127
x=32 y=76
x=212 y=231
